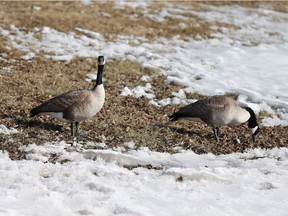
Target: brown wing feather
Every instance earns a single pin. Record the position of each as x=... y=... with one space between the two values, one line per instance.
x=196 y=109
x=202 y=108
x=218 y=102
x=61 y=102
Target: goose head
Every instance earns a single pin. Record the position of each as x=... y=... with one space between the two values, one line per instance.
x=252 y=123
x=101 y=60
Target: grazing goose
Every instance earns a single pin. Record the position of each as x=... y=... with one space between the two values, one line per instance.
x=76 y=105
x=218 y=111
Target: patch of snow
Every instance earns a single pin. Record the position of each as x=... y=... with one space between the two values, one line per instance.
x=139 y=91
x=37 y=8
x=5 y=130
x=8 y=69
x=180 y=94
x=131 y=4
x=145 y=78
x=129 y=145
x=3 y=57
x=86 y=2
x=28 y=56
x=126 y=91
x=91 y=76
x=113 y=156
x=275 y=120
x=173 y=100
x=96 y=182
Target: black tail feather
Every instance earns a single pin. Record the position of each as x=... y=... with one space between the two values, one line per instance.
x=174 y=117
x=35 y=111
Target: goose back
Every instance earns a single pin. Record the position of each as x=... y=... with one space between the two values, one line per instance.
x=216 y=111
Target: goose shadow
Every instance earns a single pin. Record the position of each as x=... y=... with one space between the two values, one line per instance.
x=39 y=124
x=179 y=130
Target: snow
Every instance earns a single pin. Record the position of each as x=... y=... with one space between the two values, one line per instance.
x=97 y=182
x=5 y=130
x=139 y=91
x=249 y=61
x=28 y=56
x=37 y=8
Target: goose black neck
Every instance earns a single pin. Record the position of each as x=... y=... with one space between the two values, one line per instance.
x=252 y=121
x=99 y=75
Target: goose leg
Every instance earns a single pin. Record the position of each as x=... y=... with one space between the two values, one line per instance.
x=253 y=138
x=77 y=128
x=216 y=132
x=72 y=128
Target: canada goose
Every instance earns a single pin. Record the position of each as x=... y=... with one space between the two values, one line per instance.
x=218 y=111
x=76 y=105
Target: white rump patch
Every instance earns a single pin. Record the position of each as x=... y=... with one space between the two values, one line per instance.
x=57 y=115
x=193 y=119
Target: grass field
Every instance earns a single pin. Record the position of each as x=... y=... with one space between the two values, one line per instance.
x=123 y=119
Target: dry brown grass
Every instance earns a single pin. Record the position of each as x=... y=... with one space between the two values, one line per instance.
x=123 y=119
x=66 y=16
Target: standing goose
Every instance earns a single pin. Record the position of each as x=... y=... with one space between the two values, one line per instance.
x=76 y=105
x=218 y=111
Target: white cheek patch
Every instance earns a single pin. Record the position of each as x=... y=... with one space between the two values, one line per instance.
x=252 y=130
